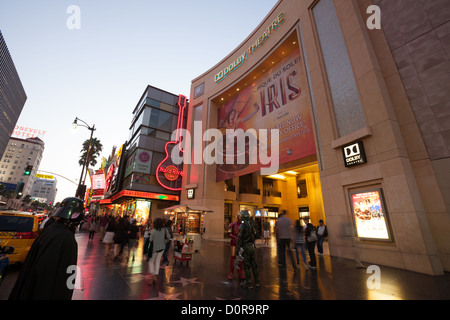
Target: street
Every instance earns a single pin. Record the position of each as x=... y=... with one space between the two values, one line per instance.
x=205 y=278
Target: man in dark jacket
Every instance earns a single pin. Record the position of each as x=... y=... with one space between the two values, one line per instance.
x=45 y=274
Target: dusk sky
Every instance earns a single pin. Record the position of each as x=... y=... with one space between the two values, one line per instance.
x=99 y=71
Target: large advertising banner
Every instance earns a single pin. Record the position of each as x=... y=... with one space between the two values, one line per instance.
x=280 y=100
x=369 y=215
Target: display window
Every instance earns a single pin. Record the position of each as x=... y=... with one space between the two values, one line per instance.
x=369 y=215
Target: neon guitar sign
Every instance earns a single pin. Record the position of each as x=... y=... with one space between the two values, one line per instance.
x=169 y=174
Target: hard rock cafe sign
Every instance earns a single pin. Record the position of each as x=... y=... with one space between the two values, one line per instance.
x=168 y=174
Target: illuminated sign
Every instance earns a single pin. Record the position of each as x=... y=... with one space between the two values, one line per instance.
x=144 y=195
x=26 y=132
x=191 y=193
x=44 y=176
x=258 y=43
x=369 y=215
x=354 y=154
x=277 y=100
x=169 y=174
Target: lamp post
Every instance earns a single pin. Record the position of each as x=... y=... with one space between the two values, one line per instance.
x=81 y=186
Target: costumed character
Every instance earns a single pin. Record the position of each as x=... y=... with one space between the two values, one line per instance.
x=233 y=232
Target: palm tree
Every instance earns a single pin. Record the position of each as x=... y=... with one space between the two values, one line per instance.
x=94 y=151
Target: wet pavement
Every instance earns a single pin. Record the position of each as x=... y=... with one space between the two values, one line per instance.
x=205 y=278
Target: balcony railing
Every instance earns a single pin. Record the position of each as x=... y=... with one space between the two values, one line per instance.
x=249 y=190
x=271 y=193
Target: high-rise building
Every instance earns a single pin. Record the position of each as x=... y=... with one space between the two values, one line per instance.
x=20 y=154
x=12 y=95
x=44 y=189
x=136 y=182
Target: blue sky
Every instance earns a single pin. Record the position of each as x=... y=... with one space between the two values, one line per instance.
x=98 y=72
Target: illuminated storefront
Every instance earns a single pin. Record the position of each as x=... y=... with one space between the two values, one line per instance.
x=300 y=118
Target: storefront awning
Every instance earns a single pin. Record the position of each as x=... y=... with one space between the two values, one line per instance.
x=188 y=208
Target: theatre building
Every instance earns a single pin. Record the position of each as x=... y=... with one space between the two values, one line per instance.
x=336 y=119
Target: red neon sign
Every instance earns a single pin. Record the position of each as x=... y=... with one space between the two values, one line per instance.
x=166 y=168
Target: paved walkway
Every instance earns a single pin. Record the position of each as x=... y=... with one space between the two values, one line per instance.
x=205 y=278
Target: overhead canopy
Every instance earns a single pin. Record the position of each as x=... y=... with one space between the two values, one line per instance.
x=188 y=208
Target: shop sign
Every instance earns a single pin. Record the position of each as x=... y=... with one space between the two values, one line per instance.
x=354 y=154
x=258 y=43
x=191 y=193
x=369 y=215
x=144 y=195
x=171 y=172
x=168 y=173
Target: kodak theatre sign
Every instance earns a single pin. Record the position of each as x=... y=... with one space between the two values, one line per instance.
x=258 y=43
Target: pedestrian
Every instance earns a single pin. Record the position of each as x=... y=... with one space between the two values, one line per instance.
x=299 y=241
x=45 y=274
x=245 y=248
x=266 y=231
x=158 y=238
x=322 y=232
x=311 y=239
x=233 y=233
x=92 y=226
x=108 y=240
x=133 y=238
x=147 y=230
x=103 y=222
x=168 y=226
x=283 y=228
x=119 y=237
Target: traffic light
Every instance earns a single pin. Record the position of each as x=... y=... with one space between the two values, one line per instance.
x=19 y=190
x=28 y=170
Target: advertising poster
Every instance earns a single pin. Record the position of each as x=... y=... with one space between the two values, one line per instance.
x=280 y=100
x=370 y=215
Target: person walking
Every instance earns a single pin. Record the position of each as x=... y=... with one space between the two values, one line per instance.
x=266 y=231
x=119 y=238
x=283 y=228
x=108 y=239
x=158 y=237
x=133 y=238
x=233 y=233
x=168 y=226
x=311 y=239
x=299 y=242
x=92 y=226
x=147 y=230
x=322 y=232
x=103 y=222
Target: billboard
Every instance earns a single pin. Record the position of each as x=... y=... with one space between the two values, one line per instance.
x=279 y=100
x=369 y=215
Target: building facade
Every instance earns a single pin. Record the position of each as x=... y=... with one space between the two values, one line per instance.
x=141 y=191
x=19 y=154
x=344 y=117
x=44 y=189
x=12 y=95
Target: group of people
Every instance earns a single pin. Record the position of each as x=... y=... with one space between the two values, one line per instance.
x=303 y=236
x=121 y=232
x=243 y=235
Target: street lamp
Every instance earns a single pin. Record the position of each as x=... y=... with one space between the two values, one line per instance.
x=81 y=190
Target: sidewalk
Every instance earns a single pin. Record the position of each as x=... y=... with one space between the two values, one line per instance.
x=205 y=278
